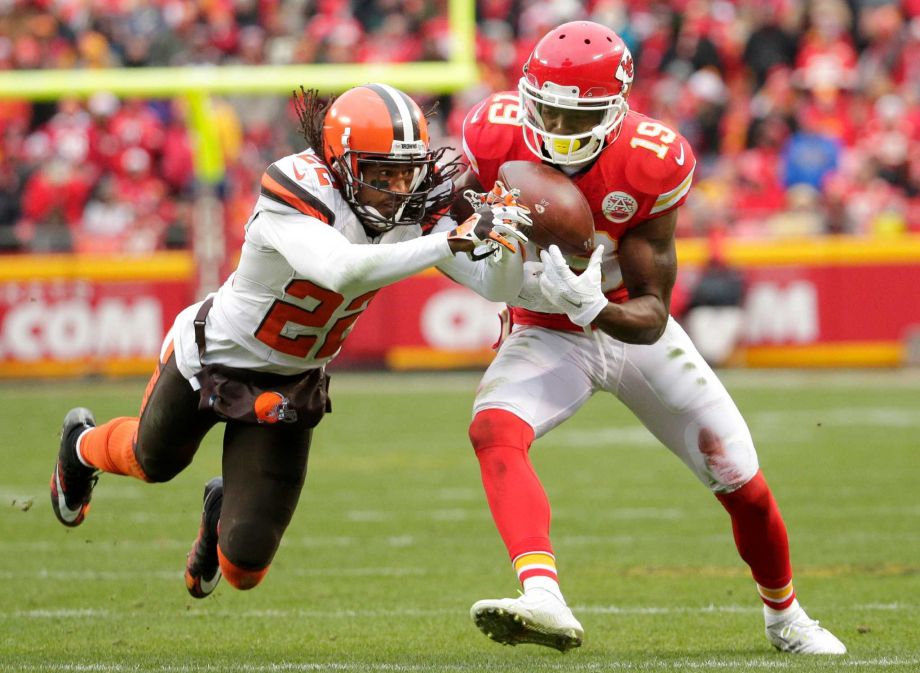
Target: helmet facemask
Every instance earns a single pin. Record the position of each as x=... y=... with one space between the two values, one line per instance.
x=405 y=208
x=355 y=133
x=574 y=148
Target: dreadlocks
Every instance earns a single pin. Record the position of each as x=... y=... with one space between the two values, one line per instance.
x=311 y=110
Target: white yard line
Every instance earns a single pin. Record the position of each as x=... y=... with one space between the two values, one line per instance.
x=147 y=575
x=683 y=664
x=300 y=613
x=375 y=382
x=893 y=569
x=113 y=546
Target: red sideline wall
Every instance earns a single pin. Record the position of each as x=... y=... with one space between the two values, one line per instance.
x=824 y=302
x=810 y=303
x=64 y=315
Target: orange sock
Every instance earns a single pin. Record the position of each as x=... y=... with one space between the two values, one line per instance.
x=110 y=447
x=236 y=576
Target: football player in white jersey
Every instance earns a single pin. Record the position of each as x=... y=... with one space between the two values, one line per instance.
x=332 y=226
x=607 y=329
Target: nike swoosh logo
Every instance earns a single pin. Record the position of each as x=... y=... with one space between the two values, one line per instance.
x=67 y=514
x=301 y=176
x=575 y=304
x=680 y=160
x=207 y=586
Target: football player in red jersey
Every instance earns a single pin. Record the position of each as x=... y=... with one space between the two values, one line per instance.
x=332 y=225
x=606 y=329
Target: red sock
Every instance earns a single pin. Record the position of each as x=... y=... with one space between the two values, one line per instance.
x=760 y=536
x=519 y=505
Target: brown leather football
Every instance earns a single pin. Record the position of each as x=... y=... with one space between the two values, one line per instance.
x=560 y=213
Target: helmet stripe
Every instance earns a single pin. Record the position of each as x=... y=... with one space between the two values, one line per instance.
x=410 y=106
x=405 y=125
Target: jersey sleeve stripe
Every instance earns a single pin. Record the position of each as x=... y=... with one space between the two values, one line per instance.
x=469 y=156
x=279 y=187
x=668 y=199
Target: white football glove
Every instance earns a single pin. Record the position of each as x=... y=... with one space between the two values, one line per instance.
x=579 y=297
x=531 y=296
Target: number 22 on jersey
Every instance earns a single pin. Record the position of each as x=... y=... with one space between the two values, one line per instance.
x=279 y=327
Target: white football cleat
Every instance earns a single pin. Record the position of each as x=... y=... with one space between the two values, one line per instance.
x=538 y=617
x=797 y=633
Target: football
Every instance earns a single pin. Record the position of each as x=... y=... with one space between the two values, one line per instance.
x=560 y=213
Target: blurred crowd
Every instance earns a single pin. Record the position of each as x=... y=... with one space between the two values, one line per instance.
x=805 y=116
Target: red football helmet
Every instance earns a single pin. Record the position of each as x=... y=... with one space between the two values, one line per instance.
x=580 y=66
x=379 y=124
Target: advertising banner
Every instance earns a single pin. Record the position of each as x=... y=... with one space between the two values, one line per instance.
x=839 y=302
x=62 y=315
x=820 y=302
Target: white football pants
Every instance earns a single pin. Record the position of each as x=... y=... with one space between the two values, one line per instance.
x=544 y=376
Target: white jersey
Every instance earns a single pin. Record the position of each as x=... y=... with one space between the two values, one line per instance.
x=307 y=271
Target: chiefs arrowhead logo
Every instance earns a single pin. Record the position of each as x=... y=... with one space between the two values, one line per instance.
x=619 y=206
x=626 y=71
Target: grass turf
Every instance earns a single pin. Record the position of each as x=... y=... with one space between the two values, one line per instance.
x=392 y=540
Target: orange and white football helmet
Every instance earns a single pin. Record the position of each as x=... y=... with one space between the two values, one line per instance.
x=576 y=68
x=377 y=123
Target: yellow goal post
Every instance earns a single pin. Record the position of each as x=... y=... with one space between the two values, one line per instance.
x=196 y=84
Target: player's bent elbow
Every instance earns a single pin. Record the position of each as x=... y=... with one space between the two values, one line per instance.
x=642 y=328
x=654 y=335
x=644 y=337
x=654 y=332
x=657 y=322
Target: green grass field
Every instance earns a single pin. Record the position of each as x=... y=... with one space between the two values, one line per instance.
x=392 y=541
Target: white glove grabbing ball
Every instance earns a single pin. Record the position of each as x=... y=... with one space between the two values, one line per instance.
x=531 y=296
x=579 y=297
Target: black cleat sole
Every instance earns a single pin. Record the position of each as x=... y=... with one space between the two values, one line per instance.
x=512 y=629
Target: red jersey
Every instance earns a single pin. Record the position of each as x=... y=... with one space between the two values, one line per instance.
x=644 y=173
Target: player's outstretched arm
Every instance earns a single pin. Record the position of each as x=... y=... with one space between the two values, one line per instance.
x=320 y=253
x=648 y=261
x=497 y=277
